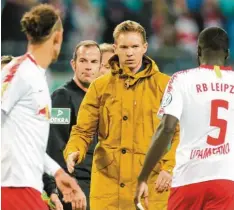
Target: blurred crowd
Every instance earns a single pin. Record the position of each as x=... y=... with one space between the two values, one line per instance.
x=172 y=26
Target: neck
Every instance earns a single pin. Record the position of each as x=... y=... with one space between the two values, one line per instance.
x=136 y=69
x=41 y=54
x=212 y=62
x=79 y=84
x=213 y=58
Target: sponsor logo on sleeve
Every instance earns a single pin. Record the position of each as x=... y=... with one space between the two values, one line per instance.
x=166 y=100
x=60 y=116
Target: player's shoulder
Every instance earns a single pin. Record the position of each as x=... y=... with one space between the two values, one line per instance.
x=26 y=63
x=17 y=65
x=186 y=72
x=28 y=69
x=228 y=70
x=18 y=68
x=184 y=75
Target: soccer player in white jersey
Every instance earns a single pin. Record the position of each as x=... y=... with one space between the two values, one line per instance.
x=202 y=101
x=25 y=112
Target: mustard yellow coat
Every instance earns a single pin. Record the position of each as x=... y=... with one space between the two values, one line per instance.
x=123 y=108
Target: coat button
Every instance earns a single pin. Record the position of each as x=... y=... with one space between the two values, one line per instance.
x=125 y=117
x=124 y=151
x=122 y=185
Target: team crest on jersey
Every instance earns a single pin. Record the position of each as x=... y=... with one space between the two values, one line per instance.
x=166 y=99
x=60 y=116
x=45 y=112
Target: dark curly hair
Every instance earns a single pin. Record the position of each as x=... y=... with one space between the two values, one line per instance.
x=40 y=22
x=213 y=38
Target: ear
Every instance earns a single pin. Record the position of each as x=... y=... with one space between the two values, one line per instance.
x=199 y=51
x=73 y=65
x=58 y=38
x=115 y=47
x=227 y=54
x=145 y=47
x=29 y=37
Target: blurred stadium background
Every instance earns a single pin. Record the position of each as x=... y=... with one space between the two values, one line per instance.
x=172 y=28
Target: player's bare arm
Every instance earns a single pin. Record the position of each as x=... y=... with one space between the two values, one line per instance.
x=160 y=140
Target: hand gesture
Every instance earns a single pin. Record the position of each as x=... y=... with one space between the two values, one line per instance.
x=70 y=190
x=71 y=161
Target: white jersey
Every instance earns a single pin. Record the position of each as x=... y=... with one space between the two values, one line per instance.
x=25 y=111
x=203 y=102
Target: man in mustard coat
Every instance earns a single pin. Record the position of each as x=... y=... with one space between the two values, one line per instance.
x=122 y=107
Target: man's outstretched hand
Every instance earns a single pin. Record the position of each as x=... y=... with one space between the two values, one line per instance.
x=70 y=190
x=71 y=160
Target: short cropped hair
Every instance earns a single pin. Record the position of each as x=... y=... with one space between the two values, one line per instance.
x=5 y=59
x=105 y=47
x=129 y=26
x=213 y=38
x=86 y=43
x=40 y=22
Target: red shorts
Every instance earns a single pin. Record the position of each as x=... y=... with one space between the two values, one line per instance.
x=21 y=198
x=212 y=195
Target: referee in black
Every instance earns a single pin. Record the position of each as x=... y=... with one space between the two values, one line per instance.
x=66 y=101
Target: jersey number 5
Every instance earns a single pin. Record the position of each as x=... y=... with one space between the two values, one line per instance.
x=220 y=123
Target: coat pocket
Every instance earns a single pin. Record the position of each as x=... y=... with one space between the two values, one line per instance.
x=104 y=181
x=107 y=166
x=103 y=162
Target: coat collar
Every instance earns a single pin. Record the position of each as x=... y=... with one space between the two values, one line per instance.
x=149 y=70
